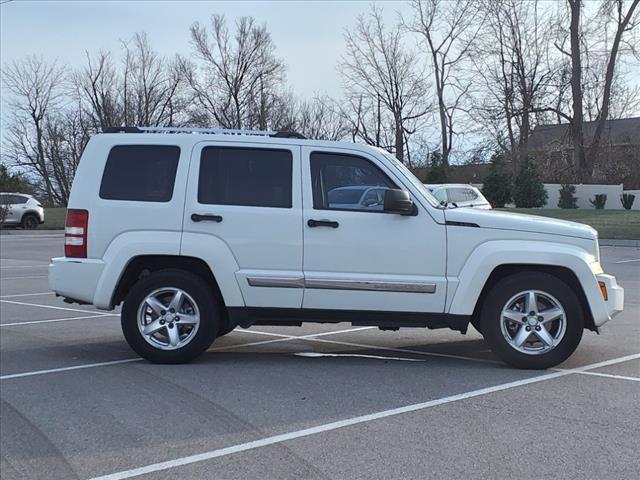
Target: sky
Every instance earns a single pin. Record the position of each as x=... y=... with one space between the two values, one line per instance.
x=308 y=35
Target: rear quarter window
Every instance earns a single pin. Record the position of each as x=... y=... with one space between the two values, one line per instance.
x=143 y=173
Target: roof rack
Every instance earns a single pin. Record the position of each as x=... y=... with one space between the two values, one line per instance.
x=211 y=131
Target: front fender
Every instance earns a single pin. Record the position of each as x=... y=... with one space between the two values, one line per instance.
x=488 y=256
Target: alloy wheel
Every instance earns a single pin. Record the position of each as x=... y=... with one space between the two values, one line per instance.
x=168 y=318
x=533 y=322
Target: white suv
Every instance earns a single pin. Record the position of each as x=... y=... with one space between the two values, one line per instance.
x=22 y=209
x=199 y=231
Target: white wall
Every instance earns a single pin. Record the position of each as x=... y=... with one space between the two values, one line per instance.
x=586 y=192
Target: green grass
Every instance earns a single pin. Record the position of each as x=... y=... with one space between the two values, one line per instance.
x=610 y=224
x=54 y=218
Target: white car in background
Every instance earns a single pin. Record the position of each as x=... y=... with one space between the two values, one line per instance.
x=459 y=195
x=23 y=210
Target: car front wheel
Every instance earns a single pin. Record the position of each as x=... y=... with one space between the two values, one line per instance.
x=532 y=320
x=170 y=316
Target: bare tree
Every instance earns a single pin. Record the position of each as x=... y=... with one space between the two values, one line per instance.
x=148 y=90
x=379 y=65
x=624 y=22
x=66 y=135
x=35 y=89
x=238 y=77
x=152 y=85
x=624 y=19
x=321 y=119
x=577 y=118
x=449 y=29
x=98 y=89
x=511 y=57
x=367 y=121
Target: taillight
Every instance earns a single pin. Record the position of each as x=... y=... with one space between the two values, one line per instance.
x=75 y=233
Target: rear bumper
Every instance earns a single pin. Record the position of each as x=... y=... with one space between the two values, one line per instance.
x=75 y=278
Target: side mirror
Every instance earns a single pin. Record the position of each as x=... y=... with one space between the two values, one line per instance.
x=399 y=201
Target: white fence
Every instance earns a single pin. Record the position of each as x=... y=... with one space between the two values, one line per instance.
x=586 y=192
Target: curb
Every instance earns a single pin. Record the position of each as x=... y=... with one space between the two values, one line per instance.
x=38 y=231
x=619 y=243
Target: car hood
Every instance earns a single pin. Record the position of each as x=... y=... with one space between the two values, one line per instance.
x=519 y=222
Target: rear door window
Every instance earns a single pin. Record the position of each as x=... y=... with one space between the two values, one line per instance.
x=249 y=177
x=143 y=173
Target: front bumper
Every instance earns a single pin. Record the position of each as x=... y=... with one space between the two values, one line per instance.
x=614 y=303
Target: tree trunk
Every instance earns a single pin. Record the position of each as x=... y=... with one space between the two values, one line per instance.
x=399 y=138
x=577 y=137
x=444 y=134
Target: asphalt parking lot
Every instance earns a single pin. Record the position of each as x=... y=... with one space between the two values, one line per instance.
x=320 y=401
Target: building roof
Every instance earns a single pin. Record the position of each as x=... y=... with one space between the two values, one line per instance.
x=622 y=131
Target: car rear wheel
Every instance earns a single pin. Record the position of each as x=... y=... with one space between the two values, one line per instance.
x=30 y=222
x=170 y=317
x=532 y=320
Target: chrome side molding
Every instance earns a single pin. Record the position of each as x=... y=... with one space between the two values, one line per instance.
x=329 y=284
x=278 y=282
x=369 y=285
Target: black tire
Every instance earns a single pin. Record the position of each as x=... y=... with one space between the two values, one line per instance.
x=504 y=290
x=199 y=291
x=30 y=221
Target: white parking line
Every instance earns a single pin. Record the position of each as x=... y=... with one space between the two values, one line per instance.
x=53 y=320
x=26 y=276
x=354 y=355
x=42 y=265
x=608 y=375
x=26 y=295
x=13 y=302
x=20 y=237
x=285 y=338
x=374 y=347
x=629 y=261
x=102 y=364
x=243 y=447
x=66 y=369
x=407 y=350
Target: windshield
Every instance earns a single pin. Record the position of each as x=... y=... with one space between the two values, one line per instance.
x=405 y=172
